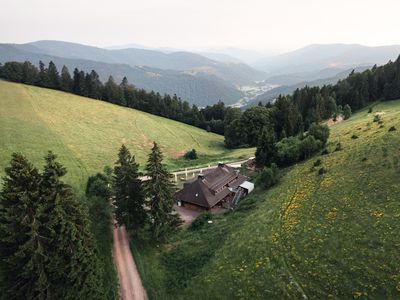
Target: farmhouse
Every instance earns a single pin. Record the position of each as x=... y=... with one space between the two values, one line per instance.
x=216 y=187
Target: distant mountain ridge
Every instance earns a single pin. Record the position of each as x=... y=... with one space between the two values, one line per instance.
x=201 y=89
x=317 y=56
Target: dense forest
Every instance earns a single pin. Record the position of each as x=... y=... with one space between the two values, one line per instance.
x=287 y=116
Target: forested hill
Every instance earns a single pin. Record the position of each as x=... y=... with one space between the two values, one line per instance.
x=293 y=114
x=201 y=88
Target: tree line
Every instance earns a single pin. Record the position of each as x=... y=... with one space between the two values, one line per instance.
x=124 y=94
x=53 y=245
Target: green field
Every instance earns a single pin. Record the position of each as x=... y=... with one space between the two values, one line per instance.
x=330 y=236
x=86 y=134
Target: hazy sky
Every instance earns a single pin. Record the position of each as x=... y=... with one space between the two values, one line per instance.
x=279 y=24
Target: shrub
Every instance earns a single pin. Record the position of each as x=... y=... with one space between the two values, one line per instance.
x=288 y=151
x=191 y=155
x=364 y=159
x=392 y=128
x=377 y=118
x=380 y=122
x=200 y=220
x=347 y=111
x=269 y=176
x=354 y=137
x=317 y=163
x=309 y=146
x=325 y=152
x=338 y=147
x=370 y=110
x=321 y=171
x=320 y=132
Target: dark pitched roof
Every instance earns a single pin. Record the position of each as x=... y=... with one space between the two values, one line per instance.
x=211 y=187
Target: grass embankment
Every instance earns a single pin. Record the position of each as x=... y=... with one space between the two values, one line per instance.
x=86 y=134
x=329 y=236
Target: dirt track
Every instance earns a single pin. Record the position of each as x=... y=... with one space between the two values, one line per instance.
x=131 y=287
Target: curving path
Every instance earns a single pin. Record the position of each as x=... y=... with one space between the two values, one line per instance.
x=130 y=285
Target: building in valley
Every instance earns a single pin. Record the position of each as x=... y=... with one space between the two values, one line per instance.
x=215 y=187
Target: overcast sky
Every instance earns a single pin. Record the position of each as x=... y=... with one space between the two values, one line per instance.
x=259 y=24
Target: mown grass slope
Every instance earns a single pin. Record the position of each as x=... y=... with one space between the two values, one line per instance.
x=329 y=236
x=86 y=134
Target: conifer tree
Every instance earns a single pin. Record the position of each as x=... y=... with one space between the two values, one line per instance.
x=42 y=77
x=46 y=247
x=73 y=265
x=65 y=80
x=128 y=191
x=22 y=257
x=52 y=76
x=266 y=149
x=160 y=191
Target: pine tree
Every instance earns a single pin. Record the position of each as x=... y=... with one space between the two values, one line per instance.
x=42 y=77
x=46 y=247
x=160 y=191
x=128 y=191
x=52 y=76
x=73 y=265
x=266 y=149
x=22 y=257
x=66 y=80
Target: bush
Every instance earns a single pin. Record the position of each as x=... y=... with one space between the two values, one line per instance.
x=288 y=151
x=347 y=111
x=321 y=171
x=309 y=146
x=354 y=137
x=377 y=118
x=200 y=220
x=320 y=132
x=191 y=155
x=325 y=152
x=317 y=163
x=338 y=147
x=364 y=159
x=392 y=129
x=269 y=176
x=370 y=110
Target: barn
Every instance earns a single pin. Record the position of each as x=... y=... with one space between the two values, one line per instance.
x=212 y=188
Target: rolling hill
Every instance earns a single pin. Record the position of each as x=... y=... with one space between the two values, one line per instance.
x=329 y=236
x=86 y=134
x=201 y=90
x=320 y=61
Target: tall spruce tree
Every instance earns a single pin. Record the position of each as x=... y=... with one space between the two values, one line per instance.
x=160 y=191
x=128 y=191
x=52 y=76
x=266 y=149
x=22 y=257
x=73 y=265
x=46 y=247
x=66 y=81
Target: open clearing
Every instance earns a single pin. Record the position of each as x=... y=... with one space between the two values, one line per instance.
x=86 y=134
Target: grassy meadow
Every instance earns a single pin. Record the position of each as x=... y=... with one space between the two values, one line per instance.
x=86 y=134
x=313 y=236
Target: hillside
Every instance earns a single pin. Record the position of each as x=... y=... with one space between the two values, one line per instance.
x=330 y=236
x=86 y=133
x=201 y=90
x=234 y=72
x=320 y=61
